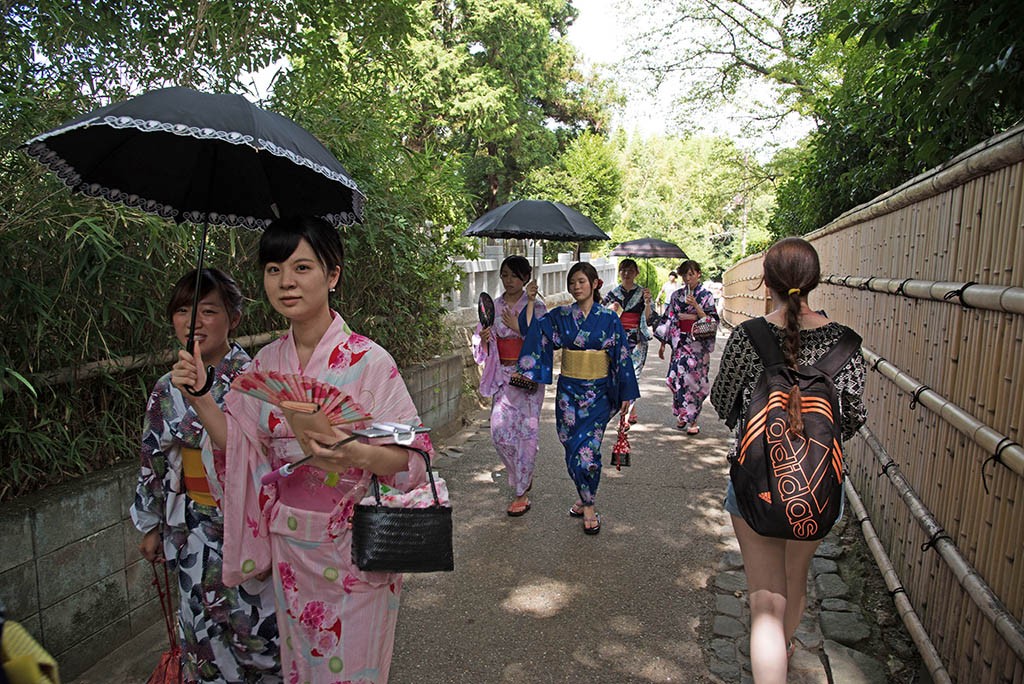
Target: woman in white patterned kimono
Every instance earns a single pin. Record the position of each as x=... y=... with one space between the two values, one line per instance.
x=337 y=623
x=228 y=634
x=633 y=304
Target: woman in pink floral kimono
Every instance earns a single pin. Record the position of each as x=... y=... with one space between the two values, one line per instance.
x=515 y=412
x=336 y=623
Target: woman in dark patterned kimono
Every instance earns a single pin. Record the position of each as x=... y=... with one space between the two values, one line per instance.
x=596 y=377
x=691 y=358
x=227 y=634
x=633 y=304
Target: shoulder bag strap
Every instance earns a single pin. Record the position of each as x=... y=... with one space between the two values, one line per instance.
x=764 y=342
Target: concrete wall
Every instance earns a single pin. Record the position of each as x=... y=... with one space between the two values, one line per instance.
x=70 y=569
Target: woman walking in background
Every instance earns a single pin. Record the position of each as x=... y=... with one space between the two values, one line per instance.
x=633 y=304
x=596 y=377
x=228 y=634
x=776 y=569
x=337 y=623
x=691 y=358
x=515 y=412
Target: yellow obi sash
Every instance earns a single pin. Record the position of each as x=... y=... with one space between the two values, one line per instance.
x=194 y=475
x=584 y=364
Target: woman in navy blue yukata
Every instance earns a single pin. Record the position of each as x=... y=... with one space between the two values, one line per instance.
x=596 y=377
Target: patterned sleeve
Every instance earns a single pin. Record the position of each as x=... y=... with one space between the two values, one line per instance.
x=849 y=382
x=734 y=372
x=536 y=360
x=147 y=511
x=707 y=303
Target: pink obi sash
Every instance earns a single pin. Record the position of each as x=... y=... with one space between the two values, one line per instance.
x=308 y=488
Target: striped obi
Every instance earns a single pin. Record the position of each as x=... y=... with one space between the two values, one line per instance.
x=630 y=321
x=584 y=364
x=196 y=486
x=509 y=349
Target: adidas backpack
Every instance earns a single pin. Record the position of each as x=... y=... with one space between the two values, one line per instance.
x=788 y=485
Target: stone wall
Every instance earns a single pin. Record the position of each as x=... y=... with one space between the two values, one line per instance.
x=70 y=569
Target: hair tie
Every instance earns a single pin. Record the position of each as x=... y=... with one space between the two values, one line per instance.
x=794 y=291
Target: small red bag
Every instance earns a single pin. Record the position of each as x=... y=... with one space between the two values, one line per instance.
x=168 y=670
x=620 y=452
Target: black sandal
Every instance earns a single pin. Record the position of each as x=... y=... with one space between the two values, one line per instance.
x=575 y=512
x=596 y=528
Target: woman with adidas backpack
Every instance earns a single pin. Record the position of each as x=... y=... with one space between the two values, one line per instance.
x=790 y=381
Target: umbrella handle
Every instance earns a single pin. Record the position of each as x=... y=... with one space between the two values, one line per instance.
x=206 y=386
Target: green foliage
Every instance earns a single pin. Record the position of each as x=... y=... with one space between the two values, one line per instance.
x=436 y=110
x=703 y=194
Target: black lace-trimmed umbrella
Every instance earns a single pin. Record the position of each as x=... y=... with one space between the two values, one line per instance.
x=650 y=248
x=202 y=158
x=536 y=219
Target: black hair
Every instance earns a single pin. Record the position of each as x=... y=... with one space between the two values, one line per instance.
x=625 y=263
x=283 y=235
x=519 y=265
x=591 y=273
x=210 y=280
x=673 y=274
x=687 y=266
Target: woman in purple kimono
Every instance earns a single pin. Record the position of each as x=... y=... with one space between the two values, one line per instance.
x=336 y=622
x=596 y=377
x=691 y=358
x=228 y=634
x=515 y=412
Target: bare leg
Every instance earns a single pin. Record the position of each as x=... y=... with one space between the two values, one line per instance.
x=764 y=560
x=798 y=562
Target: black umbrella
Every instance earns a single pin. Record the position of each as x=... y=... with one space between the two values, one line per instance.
x=649 y=248
x=202 y=158
x=536 y=219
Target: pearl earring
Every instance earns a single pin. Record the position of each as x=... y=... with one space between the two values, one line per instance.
x=331 y=290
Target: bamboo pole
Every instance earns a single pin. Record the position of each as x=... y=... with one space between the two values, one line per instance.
x=1012 y=455
x=904 y=608
x=127 y=363
x=977 y=296
x=982 y=595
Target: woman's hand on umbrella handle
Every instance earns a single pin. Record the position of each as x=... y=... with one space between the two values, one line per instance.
x=189 y=372
x=531 y=289
x=647 y=296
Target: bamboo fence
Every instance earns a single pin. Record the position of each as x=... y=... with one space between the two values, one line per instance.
x=931 y=274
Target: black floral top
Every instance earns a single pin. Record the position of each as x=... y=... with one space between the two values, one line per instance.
x=741 y=367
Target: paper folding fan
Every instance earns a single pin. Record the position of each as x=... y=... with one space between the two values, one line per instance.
x=307 y=403
x=301 y=393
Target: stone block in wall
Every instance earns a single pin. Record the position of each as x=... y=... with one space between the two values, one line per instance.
x=83 y=655
x=139 y=580
x=75 y=510
x=132 y=538
x=18 y=591
x=413 y=381
x=127 y=474
x=143 y=617
x=76 y=618
x=15 y=536
x=80 y=564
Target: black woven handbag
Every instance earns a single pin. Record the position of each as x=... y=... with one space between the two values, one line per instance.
x=389 y=539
